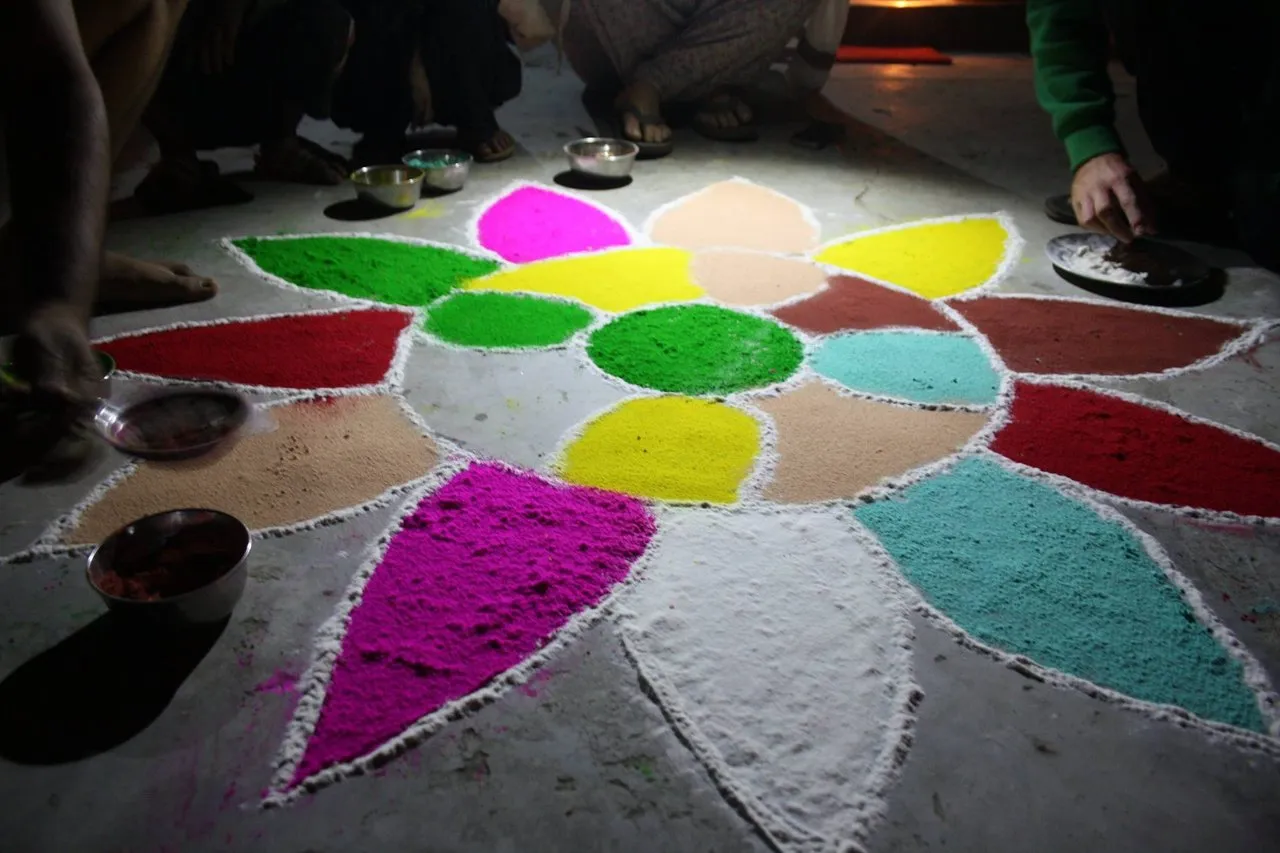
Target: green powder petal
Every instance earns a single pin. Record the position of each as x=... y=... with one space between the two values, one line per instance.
x=366 y=267
x=505 y=320
x=696 y=349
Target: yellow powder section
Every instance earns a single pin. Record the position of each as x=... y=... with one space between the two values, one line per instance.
x=670 y=448
x=616 y=280
x=323 y=455
x=934 y=259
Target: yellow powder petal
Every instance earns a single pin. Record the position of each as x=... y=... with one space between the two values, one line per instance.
x=933 y=259
x=615 y=280
x=670 y=448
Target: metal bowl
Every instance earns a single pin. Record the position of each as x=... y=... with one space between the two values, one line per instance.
x=602 y=158
x=172 y=424
x=205 y=552
x=445 y=169
x=101 y=380
x=390 y=186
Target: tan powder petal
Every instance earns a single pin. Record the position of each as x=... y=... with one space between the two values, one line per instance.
x=737 y=277
x=736 y=215
x=831 y=446
x=322 y=456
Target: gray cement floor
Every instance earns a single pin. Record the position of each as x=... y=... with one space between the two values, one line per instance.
x=581 y=759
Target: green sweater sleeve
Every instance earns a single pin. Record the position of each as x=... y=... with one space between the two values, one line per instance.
x=1070 y=49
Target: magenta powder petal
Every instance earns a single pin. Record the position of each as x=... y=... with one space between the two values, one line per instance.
x=479 y=577
x=532 y=224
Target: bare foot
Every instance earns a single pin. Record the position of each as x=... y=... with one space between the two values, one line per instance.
x=142 y=284
x=292 y=161
x=641 y=108
x=500 y=146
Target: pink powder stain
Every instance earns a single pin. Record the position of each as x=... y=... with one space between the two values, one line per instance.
x=480 y=576
x=532 y=224
x=279 y=681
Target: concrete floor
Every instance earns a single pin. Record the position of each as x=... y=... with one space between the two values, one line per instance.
x=580 y=759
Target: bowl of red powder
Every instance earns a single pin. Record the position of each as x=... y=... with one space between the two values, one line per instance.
x=182 y=566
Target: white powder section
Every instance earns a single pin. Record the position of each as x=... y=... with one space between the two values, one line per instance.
x=778 y=645
x=1093 y=262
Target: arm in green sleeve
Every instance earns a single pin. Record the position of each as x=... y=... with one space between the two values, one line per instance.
x=1069 y=45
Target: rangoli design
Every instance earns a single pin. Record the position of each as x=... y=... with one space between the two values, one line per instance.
x=815 y=440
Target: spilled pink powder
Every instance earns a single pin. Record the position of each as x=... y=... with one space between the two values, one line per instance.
x=479 y=577
x=532 y=224
x=278 y=682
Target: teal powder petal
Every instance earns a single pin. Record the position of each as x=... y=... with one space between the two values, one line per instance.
x=1024 y=568
x=923 y=368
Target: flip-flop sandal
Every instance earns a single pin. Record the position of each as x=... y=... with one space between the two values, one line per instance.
x=737 y=133
x=818 y=135
x=332 y=156
x=648 y=150
x=160 y=193
x=306 y=167
x=494 y=155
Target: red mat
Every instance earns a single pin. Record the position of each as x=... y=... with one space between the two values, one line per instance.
x=892 y=55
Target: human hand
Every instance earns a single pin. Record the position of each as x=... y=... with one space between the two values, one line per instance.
x=1109 y=197
x=52 y=357
x=217 y=33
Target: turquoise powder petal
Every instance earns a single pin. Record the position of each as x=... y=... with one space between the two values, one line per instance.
x=922 y=368
x=1025 y=568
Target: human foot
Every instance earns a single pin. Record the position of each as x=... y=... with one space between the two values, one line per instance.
x=725 y=117
x=175 y=185
x=498 y=147
x=639 y=109
x=293 y=160
x=130 y=283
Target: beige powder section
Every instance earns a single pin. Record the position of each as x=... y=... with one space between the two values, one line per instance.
x=736 y=215
x=321 y=457
x=831 y=446
x=736 y=277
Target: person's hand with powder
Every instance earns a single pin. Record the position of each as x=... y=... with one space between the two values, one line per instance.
x=1109 y=197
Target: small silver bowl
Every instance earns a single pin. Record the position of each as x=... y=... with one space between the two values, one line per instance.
x=173 y=424
x=390 y=186
x=205 y=556
x=602 y=158
x=100 y=381
x=445 y=169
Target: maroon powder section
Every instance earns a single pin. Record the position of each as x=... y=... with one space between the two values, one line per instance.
x=851 y=303
x=1057 y=336
x=342 y=350
x=1136 y=452
x=479 y=577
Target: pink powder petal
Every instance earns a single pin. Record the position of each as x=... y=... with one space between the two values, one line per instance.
x=480 y=576
x=532 y=224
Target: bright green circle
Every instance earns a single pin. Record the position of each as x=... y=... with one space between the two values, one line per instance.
x=696 y=349
x=505 y=320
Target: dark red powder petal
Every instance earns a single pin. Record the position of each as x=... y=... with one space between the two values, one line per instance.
x=1138 y=452
x=1067 y=336
x=850 y=303
x=342 y=350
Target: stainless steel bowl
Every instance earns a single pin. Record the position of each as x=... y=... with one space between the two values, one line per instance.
x=445 y=169
x=101 y=380
x=390 y=186
x=212 y=543
x=173 y=424
x=602 y=158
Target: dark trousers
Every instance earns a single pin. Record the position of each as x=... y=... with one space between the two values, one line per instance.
x=1208 y=79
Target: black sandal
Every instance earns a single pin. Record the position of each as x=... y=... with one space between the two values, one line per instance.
x=737 y=133
x=160 y=192
x=648 y=150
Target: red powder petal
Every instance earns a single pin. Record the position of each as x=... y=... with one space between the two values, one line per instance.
x=342 y=350
x=850 y=303
x=1069 y=336
x=479 y=577
x=1138 y=452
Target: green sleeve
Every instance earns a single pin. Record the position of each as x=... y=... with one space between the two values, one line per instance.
x=1070 y=49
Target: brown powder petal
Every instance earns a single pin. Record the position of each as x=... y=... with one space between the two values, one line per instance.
x=323 y=455
x=737 y=277
x=852 y=303
x=831 y=446
x=736 y=214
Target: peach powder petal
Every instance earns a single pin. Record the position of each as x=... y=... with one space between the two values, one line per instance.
x=736 y=214
x=737 y=277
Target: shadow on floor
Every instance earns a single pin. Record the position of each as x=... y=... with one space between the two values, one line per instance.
x=96 y=689
x=577 y=181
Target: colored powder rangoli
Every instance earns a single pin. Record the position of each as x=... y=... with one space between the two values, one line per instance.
x=922 y=368
x=505 y=320
x=367 y=268
x=696 y=349
x=480 y=576
x=533 y=223
x=1025 y=568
